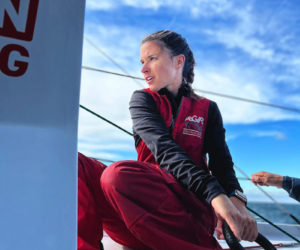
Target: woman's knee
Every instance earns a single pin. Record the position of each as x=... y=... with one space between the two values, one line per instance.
x=117 y=175
x=135 y=181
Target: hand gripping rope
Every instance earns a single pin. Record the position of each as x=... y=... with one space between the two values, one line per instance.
x=235 y=245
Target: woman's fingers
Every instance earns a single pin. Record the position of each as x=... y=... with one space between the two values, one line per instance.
x=249 y=227
x=236 y=227
x=219 y=230
x=249 y=230
x=234 y=212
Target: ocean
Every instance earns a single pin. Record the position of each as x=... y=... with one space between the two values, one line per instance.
x=271 y=212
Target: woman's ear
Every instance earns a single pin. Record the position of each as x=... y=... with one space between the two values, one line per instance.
x=180 y=59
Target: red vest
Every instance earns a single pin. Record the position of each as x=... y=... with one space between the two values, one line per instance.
x=188 y=127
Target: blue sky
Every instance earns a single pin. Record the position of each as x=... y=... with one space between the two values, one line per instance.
x=248 y=49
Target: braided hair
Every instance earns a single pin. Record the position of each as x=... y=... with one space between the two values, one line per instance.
x=177 y=45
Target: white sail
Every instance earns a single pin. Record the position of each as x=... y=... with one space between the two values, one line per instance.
x=40 y=65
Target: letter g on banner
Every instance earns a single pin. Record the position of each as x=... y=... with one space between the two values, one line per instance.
x=21 y=66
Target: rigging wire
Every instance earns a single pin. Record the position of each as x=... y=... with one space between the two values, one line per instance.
x=109 y=58
x=110 y=72
x=271 y=223
x=205 y=91
x=104 y=119
x=269 y=196
x=105 y=160
x=249 y=100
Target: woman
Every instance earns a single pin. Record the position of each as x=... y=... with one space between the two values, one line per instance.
x=170 y=198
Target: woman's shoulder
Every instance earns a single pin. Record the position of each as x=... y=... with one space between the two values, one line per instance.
x=141 y=97
x=212 y=104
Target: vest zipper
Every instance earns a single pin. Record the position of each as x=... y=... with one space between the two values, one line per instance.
x=173 y=119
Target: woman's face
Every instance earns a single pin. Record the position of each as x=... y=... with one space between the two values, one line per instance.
x=160 y=70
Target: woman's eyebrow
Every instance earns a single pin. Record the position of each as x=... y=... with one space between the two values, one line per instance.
x=149 y=56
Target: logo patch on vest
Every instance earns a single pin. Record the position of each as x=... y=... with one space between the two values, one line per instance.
x=193 y=126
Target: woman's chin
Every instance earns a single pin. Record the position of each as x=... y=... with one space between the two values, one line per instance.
x=152 y=88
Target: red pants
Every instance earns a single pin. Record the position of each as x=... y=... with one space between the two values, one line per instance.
x=141 y=207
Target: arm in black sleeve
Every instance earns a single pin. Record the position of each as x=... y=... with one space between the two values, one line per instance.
x=149 y=125
x=220 y=161
x=292 y=186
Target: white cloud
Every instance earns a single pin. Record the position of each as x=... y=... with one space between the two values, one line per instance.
x=102 y=156
x=108 y=96
x=245 y=83
x=293 y=100
x=276 y=134
x=196 y=8
x=116 y=42
x=250 y=45
x=107 y=146
x=243 y=34
x=208 y=7
x=230 y=79
x=266 y=38
x=100 y=4
x=104 y=92
x=150 y=4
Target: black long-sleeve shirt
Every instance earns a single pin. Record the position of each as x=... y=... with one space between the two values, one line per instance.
x=149 y=126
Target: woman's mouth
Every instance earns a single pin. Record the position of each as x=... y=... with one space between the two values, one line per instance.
x=149 y=79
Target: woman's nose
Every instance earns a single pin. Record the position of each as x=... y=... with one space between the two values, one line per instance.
x=144 y=68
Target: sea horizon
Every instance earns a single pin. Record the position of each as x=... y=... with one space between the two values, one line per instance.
x=273 y=213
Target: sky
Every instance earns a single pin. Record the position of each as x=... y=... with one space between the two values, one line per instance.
x=249 y=49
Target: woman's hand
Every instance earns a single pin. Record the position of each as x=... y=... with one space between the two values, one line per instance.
x=267 y=179
x=234 y=212
x=250 y=231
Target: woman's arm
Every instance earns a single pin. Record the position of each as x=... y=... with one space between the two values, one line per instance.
x=220 y=161
x=221 y=166
x=149 y=125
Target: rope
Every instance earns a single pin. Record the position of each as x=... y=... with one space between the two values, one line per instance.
x=106 y=120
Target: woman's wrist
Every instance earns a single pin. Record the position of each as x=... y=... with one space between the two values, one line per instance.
x=219 y=199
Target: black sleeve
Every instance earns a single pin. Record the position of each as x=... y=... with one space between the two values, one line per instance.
x=292 y=186
x=149 y=125
x=220 y=161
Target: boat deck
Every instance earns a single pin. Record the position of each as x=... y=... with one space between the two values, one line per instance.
x=279 y=240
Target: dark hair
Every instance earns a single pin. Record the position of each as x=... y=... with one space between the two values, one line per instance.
x=177 y=45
